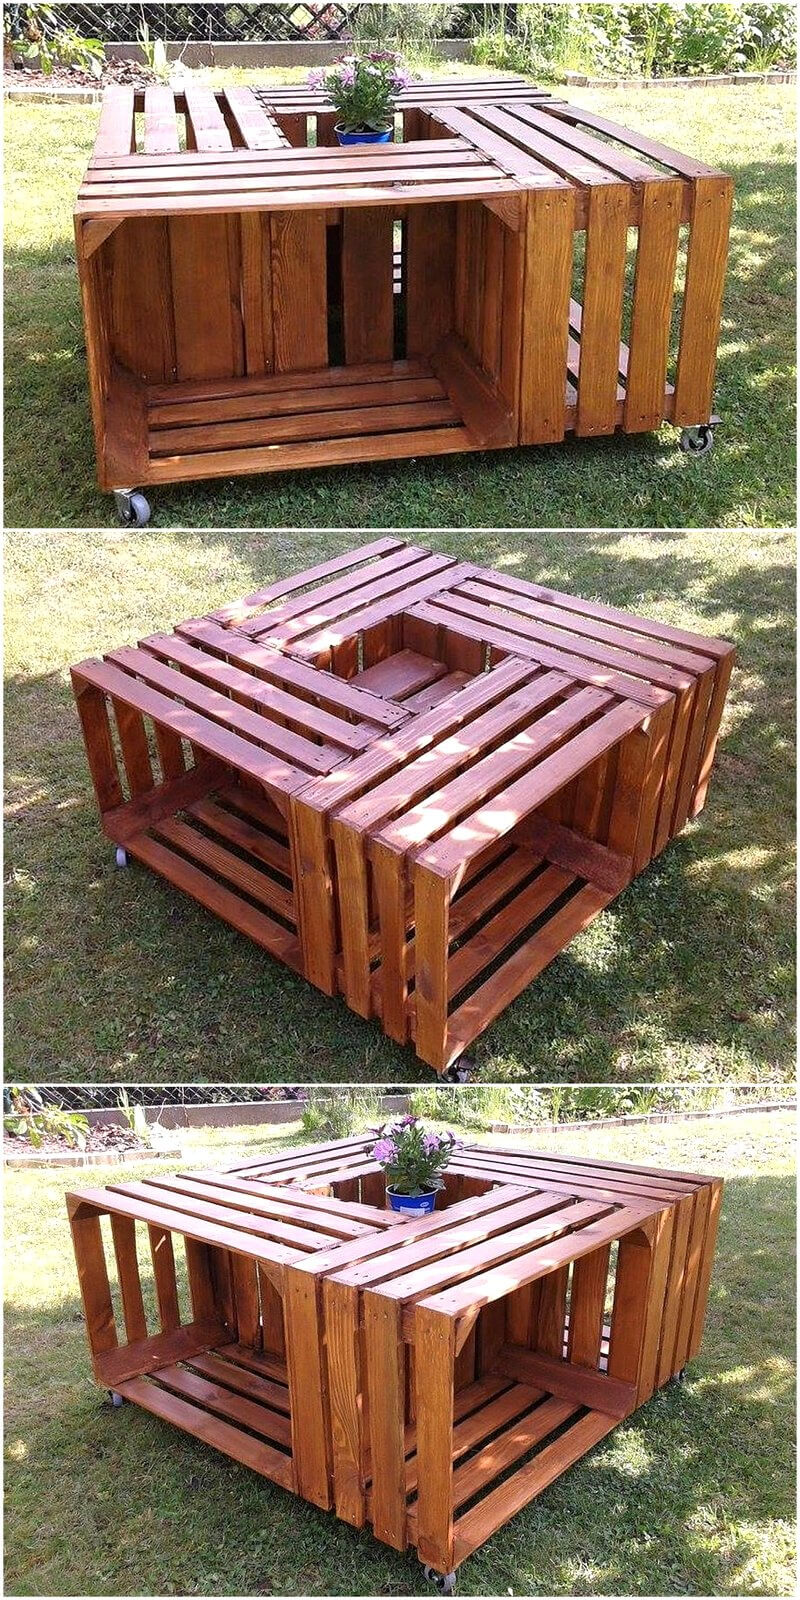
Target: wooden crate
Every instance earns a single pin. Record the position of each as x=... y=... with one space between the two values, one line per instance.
x=511 y=1330
x=395 y=753
x=225 y=1357
x=545 y=1299
x=255 y=301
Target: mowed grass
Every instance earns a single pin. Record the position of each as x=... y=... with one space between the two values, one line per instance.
x=115 y=975
x=644 y=481
x=695 y=1494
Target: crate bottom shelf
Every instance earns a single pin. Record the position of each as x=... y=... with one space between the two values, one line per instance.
x=229 y=851
x=510 y=1442
x=506 y=925
x=230 y=1398
x=329 y=416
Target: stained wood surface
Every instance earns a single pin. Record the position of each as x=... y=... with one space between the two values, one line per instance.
x=225 y=235
x=412 y=779
x=428 y=1378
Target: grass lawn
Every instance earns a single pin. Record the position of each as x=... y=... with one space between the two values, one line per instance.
x=694 y=1495
x=637 y=482
x=115 y=975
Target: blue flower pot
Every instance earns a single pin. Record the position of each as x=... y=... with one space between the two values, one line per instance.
x=379 y=136
x=416 y=1205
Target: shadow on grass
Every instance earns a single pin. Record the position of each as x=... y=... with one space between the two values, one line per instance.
x=689 y=1496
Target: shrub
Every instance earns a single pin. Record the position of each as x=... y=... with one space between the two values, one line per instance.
x=335 y=1113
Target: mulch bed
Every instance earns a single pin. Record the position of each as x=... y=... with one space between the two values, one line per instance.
x=18 y=77
x=118 y=1140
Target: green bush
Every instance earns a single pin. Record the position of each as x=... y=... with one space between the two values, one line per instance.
x=335 y=1113
x=643 y=39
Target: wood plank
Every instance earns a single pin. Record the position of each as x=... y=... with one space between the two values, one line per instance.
x=208 y=334
x=206 y=128
x=491 y=1513
x=475 y=396
x=232 y=1441
x=367 y=288
x=115 y=131
x=429 y=241
x=548 y=276
x=160 y=121
x=223 y=1402
x=651 y=314
x=257 y=130
x=435 y=1349
x=706 y=261
x=164 y=1275
x=123 y=1233
x=603 y=288
x=299 y=278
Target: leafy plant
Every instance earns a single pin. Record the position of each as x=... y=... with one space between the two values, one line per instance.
x=413 y=29
x=412 y=1156
x=155 y=50
x=27 y=1117
x=134 y=1116
x=34 y=33
x=335 y=1113
x=362 y=89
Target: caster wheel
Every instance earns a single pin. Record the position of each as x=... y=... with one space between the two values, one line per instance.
x=116 y=1399
x=133 y=509
x=445 y=1582
x=121 y=856
x=459 y=1071
x=697 y=441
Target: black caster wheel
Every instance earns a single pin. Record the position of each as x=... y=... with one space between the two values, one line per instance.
x=133 y=509
x=697 y=441
x=121 y=856
x=459 y=1071
x=116 y=1399
x=445 y=1582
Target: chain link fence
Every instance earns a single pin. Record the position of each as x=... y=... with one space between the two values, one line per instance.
x=220 y=24
x=106 y=1097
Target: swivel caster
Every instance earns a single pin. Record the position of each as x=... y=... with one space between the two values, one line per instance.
x=459 y=1071
x=121 y=856
x=133 y=509
x=445 y=1582
x=116 y=1399
x=697 y=441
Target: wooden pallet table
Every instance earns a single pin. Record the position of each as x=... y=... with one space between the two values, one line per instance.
x=257 y=298
x=410 y=779
x=545 y=1299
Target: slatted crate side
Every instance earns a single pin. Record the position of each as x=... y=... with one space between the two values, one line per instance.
x=149 y=1294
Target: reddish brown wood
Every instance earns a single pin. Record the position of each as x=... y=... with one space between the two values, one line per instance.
x=411 y=779
x=254 y=252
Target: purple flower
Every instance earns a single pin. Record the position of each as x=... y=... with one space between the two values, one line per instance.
x=385 y=1151
x=400 y=80
x=347 y=75
x=316 y=78
x=407 y=1121
x=431 y=1142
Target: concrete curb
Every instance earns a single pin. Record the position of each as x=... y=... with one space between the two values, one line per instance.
x=654 y=1117
x=578 y=80
x=92 y=1158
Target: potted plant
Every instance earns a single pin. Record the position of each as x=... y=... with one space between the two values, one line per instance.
x=362 y=88
x=413 y=1159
